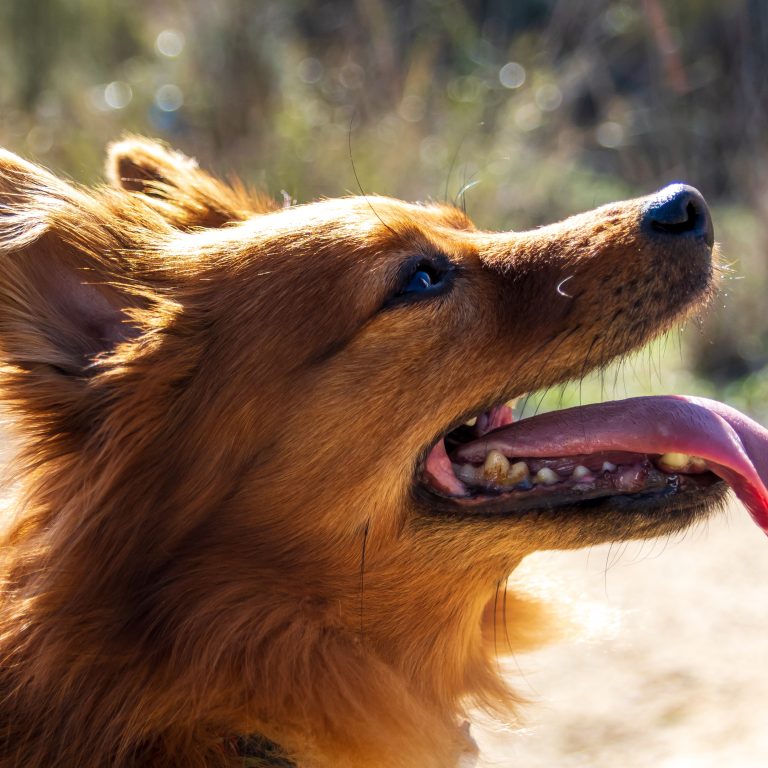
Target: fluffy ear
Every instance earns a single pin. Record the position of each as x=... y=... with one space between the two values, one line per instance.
x=174 y=185
x=64 y=266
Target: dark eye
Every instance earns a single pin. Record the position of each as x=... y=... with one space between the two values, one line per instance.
x=420 y=281
x=424 y=277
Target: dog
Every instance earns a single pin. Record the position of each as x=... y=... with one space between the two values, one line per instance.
x=267 y=483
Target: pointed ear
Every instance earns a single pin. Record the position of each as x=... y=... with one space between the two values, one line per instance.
x=65 y=268
x=174 y=185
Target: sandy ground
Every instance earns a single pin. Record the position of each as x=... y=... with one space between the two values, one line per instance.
x=673 y=669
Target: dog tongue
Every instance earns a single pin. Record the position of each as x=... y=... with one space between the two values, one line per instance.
x=734 y=447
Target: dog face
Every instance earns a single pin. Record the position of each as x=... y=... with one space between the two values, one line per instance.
x=383 y=368
x=245 y=415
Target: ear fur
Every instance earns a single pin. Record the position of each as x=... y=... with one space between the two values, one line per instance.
x=63 y=272
x=174 y=185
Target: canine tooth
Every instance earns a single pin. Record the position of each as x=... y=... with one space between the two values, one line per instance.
x=471 y=422
x=675 y=460
x=512 y=403
x=496 y=465
x=546 y=476
x=518 y=472
x=608 y=467
x=580 y=472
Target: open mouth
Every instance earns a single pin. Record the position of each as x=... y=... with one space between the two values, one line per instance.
x=645 y=449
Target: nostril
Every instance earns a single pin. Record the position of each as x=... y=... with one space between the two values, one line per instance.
x=680 y=210
x=676 y=219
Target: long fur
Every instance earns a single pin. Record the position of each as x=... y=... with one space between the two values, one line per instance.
x=212 y=530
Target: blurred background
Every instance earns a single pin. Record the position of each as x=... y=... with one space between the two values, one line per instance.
x=523 y=111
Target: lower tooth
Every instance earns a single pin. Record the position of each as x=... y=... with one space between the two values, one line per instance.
x=608 y=467
x=580 y=472
x=467 y=473
x=471 y=422
x=496 y=465
x=517 y=473
x=675 y=461
x=546 y=476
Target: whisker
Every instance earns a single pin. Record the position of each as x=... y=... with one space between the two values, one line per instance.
x=495 y=625
x=469 y=185
x=560 y=285
x=584 y=367
x=454 y=160
x=504 y=616
x=357 y=178
x=362 y=575
x=541 y=400
x=605 y=570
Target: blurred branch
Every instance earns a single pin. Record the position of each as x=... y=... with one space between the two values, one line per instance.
x=666 y=46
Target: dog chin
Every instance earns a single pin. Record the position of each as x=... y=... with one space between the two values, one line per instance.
x=572 y=523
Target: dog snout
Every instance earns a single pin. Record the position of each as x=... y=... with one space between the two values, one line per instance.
x=680 y=210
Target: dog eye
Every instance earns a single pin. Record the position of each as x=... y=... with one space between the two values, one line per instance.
x=420 y=278
x=421 y=281
x=425 y=277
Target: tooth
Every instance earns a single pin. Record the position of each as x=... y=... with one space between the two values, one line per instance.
x=496 y=465
x=675 y=460
x=512 y=403
x=471 y=422
x=517 y=473
x=697 y=464
x=546 y=476
x=608 y=467
x=467 y=473
x=580 y=472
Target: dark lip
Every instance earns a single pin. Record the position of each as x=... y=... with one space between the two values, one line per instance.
x=691 y=496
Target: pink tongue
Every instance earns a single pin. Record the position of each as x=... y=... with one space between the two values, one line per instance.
x=734 y=447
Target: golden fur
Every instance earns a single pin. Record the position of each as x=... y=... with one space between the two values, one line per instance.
x=212 y=531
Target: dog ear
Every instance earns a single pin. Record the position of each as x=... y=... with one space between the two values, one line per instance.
x=177 y=188
x=67 y=281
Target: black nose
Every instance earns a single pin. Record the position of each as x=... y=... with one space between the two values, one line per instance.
x=682 y=211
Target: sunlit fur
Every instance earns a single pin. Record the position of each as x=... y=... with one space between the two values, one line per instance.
x=211 y=529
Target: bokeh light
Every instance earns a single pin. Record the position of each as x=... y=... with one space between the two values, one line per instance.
x=169 y=97
x=170 y=43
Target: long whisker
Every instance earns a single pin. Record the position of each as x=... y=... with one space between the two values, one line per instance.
x=504 y=616
x=357 y=178
x=362 y=575
x=564 y=336
x=495 y=623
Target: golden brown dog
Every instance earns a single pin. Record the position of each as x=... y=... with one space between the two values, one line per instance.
x=249 y=524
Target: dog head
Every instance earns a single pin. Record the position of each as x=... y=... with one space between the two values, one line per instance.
x=236 y=423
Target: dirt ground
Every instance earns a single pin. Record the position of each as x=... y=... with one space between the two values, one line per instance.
x=672 y=671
